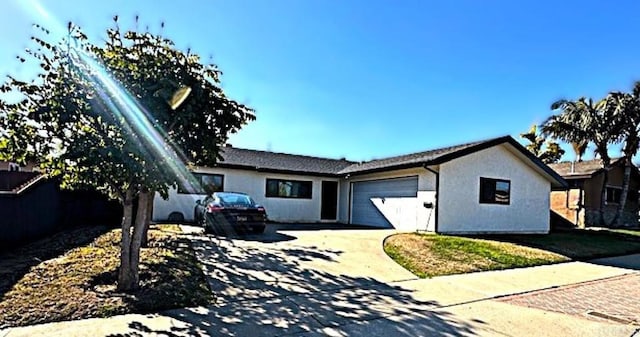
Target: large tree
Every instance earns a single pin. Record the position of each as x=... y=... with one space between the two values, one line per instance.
x=126 y=117
x=584 y=121
x=547 y=150
x=627 y=107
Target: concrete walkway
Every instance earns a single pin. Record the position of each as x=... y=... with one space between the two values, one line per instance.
x=340 y=283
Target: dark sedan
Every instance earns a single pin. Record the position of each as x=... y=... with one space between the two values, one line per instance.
x=226 y=213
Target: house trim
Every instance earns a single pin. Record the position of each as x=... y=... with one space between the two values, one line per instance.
x=279 y=171
x=435 y=203
x=553 y=175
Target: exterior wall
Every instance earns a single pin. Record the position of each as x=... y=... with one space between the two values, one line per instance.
x=4 y=166
x=566 y=203
x=254 y=184
x=405 y=214
x=344 y=201
x=460 y=210
x=593 y=188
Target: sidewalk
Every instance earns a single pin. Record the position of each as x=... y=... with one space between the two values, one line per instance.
x=454 y=305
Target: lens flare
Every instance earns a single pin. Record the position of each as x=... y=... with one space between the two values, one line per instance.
x=136 y=119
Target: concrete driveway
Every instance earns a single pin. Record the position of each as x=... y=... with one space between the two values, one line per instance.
x=284 y=262
x=329 y=282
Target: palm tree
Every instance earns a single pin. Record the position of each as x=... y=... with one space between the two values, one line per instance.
x=579 y=148
x=582 y=122
x=627 y=107
x=547 y=150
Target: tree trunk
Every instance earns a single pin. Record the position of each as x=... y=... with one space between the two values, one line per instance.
x=129 y=274
x=625 y=192
x=136 y=238
x=125 y=281
x=603 y=197
x=147 y=223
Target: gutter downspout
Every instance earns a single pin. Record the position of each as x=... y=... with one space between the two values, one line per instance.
x=437 y=174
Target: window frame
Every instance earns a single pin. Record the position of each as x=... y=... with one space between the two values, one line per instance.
x=199 y=176
x=619 y=195
x=494 y=200
x=280 y=180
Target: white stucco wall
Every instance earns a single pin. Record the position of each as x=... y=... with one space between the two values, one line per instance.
x=254 y=184
x=404 y=214
x=460 y=210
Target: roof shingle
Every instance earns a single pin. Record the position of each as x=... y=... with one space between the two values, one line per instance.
x=264 y=160
x=255 y=159
x=583 y=168
x=298 y=164
x=408 y=159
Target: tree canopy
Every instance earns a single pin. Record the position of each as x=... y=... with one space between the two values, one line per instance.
x=547 y=150
x=107 y=116
x=610 y=121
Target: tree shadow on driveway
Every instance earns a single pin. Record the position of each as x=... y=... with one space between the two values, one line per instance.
x=265 y=290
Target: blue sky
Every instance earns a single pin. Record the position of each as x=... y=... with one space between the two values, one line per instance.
x=370 y=79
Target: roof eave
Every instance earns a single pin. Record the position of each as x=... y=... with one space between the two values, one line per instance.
x=555 y=178
x=274 y=170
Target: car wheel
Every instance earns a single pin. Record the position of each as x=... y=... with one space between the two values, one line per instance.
x=257 y=230
x=176 y=217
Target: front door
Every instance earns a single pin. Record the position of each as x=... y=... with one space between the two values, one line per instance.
x=329 y=204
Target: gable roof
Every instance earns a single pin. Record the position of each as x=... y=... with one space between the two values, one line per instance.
x=288 y=163
x=280 y=162
x=15 y=182
x=431 y=157
x=584 y=169
x=443 y=155
x=577 y=169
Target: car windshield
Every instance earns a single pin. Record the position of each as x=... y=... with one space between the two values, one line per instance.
x=232 y=199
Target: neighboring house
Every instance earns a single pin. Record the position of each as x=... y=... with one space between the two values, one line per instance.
x=579 y=203
x=492 y=186
x=9 y=166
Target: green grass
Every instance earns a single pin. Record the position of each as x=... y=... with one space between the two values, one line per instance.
x=396 y=253
x=580 y=244
x=434 y=255
x=500 y=255
x=633 y=232
x=80 y=282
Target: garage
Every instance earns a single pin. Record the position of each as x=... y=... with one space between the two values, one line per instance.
x=382 y=203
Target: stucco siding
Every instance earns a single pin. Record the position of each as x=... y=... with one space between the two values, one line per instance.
x=343 y=201
x=460 y=210
x=254 y=184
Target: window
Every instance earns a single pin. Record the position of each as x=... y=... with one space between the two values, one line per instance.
x=495 y=191
x=235 y=199
x=203 y=184
x=613 y=195
x=278 y=188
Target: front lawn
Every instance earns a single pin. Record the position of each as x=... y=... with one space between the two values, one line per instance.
x=428 y=255
x=634 y=232
x=80 y=283
x=580 y=244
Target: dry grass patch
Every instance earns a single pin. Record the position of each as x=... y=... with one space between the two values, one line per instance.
x=81 y=283
x=433 y=255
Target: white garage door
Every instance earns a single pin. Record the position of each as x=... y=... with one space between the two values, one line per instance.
x=369 y=199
